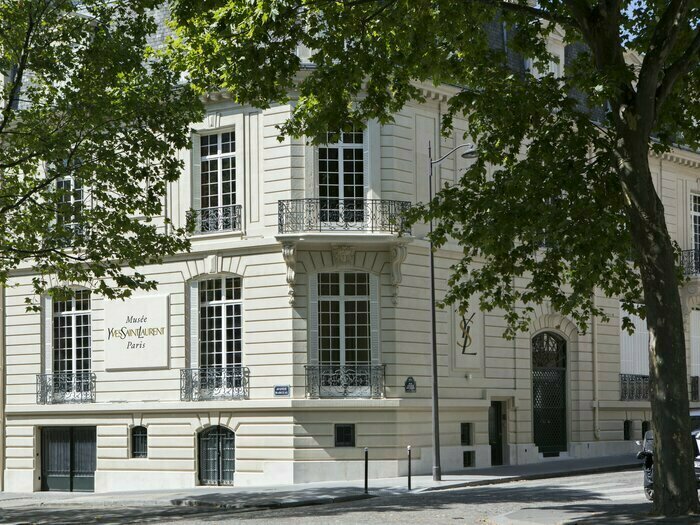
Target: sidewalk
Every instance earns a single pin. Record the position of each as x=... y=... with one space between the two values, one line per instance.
x=316 y=493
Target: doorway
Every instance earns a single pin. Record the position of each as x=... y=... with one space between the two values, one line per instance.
x=549 y=393
x=68 y=458
x=497 y=415
x=216 y=456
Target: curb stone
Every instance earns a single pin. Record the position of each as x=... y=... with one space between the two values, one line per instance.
x=271 y=504
x=527 y=477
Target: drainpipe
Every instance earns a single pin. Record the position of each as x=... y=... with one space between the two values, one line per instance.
x=594 y=349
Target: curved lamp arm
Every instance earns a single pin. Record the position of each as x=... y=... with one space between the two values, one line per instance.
x=466 y=154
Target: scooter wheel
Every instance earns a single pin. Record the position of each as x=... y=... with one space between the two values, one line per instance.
x=649 y=493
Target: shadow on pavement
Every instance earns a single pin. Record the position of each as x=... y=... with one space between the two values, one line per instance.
x=620 y=514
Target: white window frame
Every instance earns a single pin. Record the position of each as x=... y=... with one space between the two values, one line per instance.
x=195 y=318
x=230 y=124
x=374 y=317
x=694 y=329
x=694 y=216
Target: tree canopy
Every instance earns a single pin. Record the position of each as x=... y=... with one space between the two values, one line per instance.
x=561 y=201
x=91 y=120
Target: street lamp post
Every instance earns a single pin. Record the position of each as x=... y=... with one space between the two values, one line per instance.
x=437 y=471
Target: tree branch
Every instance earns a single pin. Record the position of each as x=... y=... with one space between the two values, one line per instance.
x=18 y=76
x=676 y=70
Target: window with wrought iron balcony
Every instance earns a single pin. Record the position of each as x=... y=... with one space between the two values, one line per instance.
x=70 y=379
x=341 y=205
x=217 y=372
x=344 y=346
x=214 y=185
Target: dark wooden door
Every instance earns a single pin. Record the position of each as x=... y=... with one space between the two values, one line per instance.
x=68 y=458
x=496 y=432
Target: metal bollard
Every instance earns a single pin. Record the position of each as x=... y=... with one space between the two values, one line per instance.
x=366 y=470
x=409 y=466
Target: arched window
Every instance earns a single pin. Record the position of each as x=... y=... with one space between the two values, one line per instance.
x=646 y=426
x=139 y=442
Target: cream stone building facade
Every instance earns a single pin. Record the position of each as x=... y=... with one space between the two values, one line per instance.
x=288 y=339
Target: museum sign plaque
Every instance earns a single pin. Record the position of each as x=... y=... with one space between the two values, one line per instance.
x=136 y=333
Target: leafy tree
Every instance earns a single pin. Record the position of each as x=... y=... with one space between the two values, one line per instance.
x=91 y=119
x=571 y=199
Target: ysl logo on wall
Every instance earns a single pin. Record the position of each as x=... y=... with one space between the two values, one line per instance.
x=465 y=327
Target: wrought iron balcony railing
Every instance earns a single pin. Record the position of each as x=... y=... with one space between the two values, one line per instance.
x=214 y=382
x=690 y=259
x=345 y=381
x=65 y=387
x=219 y=219
x=634 y=387
x=339 y=215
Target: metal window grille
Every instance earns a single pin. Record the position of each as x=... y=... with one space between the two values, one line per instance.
x=634 y=387
x=341 y=176
x=468 y=458
x=218 y=182
x=466 y=434
x=220 y=323
x=139 y=442
x=695 y=388
x=646 y=427
x=72 y=339
x=344 y=435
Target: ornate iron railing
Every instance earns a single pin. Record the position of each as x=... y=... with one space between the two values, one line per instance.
x=332 y=215
x=694 y=388
x=690 y=259
x=345 y=381
x=65 y=387
x=634 y=387
x=219 y=219
x=214 y=382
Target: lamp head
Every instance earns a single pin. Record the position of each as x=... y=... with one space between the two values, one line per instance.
x=470 y=153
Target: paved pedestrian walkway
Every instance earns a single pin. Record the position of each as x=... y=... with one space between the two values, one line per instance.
x=317 y=493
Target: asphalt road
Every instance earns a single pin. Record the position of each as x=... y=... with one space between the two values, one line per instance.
x=611 y=498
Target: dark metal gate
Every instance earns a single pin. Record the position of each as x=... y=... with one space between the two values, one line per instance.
x=216 y=456
x=549 y=393
x=68 y=458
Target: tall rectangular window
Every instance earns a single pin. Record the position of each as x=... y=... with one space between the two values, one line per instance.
x=71 y=203
x=344 y=328
x=218 y=182
x=72 y=334
x=695 y=220
x=220 y=322
x=341 y=166
x=634 y=348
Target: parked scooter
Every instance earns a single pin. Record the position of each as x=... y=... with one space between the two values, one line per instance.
x=647 y=454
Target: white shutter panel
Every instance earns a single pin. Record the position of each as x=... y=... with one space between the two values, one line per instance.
x=374 y=316
x=695 y=343
x=194 y=324
x=312 y=344
x=47 y=325
x=641 y=347
x=196 y=175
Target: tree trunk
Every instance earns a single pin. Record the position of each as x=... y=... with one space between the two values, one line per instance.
x=675 y=490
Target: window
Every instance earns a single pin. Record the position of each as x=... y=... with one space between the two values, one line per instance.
x=466 y=434
x=468 y=458
x=72 y=334
x=344 y=330
x=217 y=183
x=634 y=348
x=71 y=203
x=139 y=442
x=627 y=430
x=344 y=435
x=341 y=179
x=646 y=427
x=694 y=322
x=695 y=221
x=220 y=323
